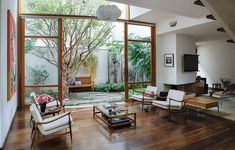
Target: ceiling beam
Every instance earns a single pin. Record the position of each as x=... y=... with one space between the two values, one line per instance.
x=199 y=3
x=221 y=30
x=210 y=17
x=231 y=41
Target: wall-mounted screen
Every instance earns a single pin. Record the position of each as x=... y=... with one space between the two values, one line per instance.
x=190 y=62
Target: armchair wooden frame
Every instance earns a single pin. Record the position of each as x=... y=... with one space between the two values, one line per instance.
x=51 y=136
x=183 y=109
x=143 y=99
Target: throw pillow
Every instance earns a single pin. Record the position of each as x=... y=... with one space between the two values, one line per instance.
x=149 y=93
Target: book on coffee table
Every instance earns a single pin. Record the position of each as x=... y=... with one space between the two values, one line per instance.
x=120 y=120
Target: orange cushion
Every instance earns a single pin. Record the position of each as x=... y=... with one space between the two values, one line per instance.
x=149 y=93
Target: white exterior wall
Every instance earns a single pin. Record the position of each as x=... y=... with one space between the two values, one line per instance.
x=216 y=60
x=102 y=66
x=7 y=108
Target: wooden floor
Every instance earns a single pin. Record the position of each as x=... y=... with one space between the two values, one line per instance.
x=153 y=131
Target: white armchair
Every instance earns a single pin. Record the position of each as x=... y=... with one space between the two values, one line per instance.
x=146 y=97
x=51 y=104
x=50 y=126
x=173 y=103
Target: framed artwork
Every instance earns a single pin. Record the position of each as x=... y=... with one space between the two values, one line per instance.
x=11 y=55
x=169 y=60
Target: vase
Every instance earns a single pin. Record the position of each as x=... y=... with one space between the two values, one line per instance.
x=43 y=107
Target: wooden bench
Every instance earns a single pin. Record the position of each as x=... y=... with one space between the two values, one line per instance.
x=85 y=83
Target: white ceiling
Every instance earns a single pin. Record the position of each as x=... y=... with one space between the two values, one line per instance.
x=163 y=9
x=166 y=9
x=204 y=32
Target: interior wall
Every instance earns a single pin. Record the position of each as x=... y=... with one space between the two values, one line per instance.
x=0 y=76
x=184 y=45
x=216 y=61
x=7 y=108
x=178 y=45
x=165 y=44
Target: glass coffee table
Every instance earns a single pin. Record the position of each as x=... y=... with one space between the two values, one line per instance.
x=115 y=117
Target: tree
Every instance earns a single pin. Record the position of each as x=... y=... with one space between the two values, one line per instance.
x=139 y=57
x=81 y=36
x=37 y=75
x=116 y=51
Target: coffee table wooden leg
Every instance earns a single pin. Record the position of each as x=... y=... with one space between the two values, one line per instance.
x=134 y=119
x=93 y=111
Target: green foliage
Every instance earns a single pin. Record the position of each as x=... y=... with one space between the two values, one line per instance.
x=29 y=45
x=110 y=87
x=115 y=49
x=91 y=62
x=139 y=56
x=81 y=36
x=39 y=91
x=37 y=75
x=73 y=7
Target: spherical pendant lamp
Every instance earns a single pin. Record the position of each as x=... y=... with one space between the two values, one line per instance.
x=108 y=12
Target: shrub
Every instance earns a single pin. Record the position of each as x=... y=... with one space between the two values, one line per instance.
x=110 y=87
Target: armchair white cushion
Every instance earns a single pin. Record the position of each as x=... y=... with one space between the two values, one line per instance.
x=146 y=99
x=174 y=101
x=50 y=125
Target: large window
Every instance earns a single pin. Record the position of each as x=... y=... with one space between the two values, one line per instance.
x=139 y=54
x=41 y=55
x=56 y=46
x=68 y=7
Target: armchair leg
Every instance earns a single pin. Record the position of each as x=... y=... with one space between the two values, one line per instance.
x=70 y=131
x=34 y=135
x=169 y=115
x=33 y=129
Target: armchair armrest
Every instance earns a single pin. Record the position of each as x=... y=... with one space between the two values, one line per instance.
x=171 y=99
x=54 y=100
x=161 y=97
x=53 y=111
x=66 y=114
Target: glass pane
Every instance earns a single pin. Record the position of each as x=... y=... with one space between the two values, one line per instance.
x=41 y=57
x=53 y=91
x=67 y=7
x=139 y=62
x=135 y=12
x=136 y=32
x=41 y=27
x=136 y=89
x=123 y=8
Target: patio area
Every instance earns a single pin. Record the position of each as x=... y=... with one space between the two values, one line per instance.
x=87 y=99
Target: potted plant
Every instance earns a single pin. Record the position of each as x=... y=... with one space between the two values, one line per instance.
x=42 y=100
x=225 y=82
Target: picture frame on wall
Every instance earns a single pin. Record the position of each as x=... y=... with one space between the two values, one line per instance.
x=11 y=55
x=169 y=60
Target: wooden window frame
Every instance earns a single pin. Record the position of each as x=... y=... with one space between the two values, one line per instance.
x=21 y=45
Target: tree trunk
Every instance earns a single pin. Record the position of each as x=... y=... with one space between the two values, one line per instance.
x=108 y=68
x=66 y=79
